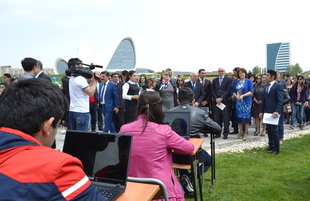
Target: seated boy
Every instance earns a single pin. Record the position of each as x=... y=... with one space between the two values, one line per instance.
x=30 y=113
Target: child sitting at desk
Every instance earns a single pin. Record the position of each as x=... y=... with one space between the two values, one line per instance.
x=151 y=155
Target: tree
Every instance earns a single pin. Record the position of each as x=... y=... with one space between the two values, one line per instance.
x=293 y=70
x=256 y=70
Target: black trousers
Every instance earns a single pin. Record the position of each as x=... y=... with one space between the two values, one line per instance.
x=222 y=116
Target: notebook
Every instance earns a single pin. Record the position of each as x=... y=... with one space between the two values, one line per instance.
x=105 y=157
x=179 y=122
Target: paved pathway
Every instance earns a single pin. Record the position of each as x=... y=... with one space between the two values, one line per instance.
x=219 y=142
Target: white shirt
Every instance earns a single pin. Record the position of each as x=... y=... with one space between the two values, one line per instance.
x=126 y=88
x=79 y=100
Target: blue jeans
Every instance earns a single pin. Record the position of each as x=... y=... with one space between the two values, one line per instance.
x=297 y=113
x=79 y=121
x=93 y=115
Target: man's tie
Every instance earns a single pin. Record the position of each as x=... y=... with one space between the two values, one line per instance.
x=102 y=93
x=203 y=82
x=194 y=85
x=221 y=79
x=268 y=88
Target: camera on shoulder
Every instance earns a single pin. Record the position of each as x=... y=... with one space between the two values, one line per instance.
x=80 y=70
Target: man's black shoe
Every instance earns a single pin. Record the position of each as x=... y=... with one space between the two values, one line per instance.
x=268 y=149
x=234 y=132
x=225 y=136
x=274 y=153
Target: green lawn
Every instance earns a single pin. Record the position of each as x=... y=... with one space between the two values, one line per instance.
x=257 y=175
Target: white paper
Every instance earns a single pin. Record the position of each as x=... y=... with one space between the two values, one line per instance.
x=267 y=119
x=221 y=106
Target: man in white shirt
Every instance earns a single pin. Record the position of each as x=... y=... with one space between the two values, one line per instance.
x=80 y=91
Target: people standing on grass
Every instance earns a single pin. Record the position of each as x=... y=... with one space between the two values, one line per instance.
x=272 y=104
x=298 y=97
x=257 y=101
x=242 y=92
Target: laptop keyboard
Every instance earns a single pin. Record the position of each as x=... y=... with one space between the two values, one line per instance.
x=108 y=192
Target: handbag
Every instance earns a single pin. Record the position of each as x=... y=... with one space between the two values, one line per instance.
x=287 y=108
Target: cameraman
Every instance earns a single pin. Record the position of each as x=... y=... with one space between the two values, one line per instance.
x=80 y=91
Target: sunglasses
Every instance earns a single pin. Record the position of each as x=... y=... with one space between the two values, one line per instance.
x=167 y=74
x=180 y=80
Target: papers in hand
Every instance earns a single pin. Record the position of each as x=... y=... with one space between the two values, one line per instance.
x=221 y=106
x=270 y=120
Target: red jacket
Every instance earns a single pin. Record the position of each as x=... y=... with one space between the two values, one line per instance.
x=31 y=171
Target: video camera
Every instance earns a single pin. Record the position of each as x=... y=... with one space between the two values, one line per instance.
x=86 y=72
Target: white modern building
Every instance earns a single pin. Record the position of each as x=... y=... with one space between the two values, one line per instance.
x=119 y=56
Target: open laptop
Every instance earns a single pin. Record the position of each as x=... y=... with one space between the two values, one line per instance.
x=179 y=122
x=105 y=157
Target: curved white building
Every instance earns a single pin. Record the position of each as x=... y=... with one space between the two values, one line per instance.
x=119 y=56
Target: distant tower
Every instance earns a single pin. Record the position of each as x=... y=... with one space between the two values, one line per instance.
x=278 y=56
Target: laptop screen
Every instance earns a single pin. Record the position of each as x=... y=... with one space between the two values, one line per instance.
x=179 y=122
x=105 y=156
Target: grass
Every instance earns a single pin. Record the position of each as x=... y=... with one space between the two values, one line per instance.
x=257 y=175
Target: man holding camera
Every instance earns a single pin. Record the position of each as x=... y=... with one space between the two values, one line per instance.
x=80 y=91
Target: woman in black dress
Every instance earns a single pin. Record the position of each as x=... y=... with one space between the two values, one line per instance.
x=131 y=91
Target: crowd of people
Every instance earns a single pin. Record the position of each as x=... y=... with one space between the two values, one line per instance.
x=124 y=103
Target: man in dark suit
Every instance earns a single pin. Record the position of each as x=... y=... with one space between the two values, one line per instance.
x=109 y=101
x=41 y=74
x=197 y=88
x=65 y=87
x=119 y=118
x=206 y=84
x=221 y=91
x=272 y=103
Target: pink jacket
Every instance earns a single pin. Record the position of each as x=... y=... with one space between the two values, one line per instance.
x=151 y=155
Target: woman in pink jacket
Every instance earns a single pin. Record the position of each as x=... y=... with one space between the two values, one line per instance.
x=151 y=155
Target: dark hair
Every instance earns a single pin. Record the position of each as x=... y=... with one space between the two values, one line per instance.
x=272 y=73
x=186 y=94
x=130 y=73
x=201 y=70
x=73 y=62
x=241 y=70
x=180 y=85
x=28 y=64
x=124 y=72
x=236 y=69
x=8 y=75
x=105 y=72
x=296 y=83
x=114 y=74
x=149 y=103
x=68 y=72
x=39 y=63
x=26 y=104
x=4 y=84
x=144 y=79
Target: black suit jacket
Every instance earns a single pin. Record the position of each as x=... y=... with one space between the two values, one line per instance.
x=207 y=90
x=120 y=94
x=223 y=91
x=272 y=101
x=198 y=91
x=44 y=76
x=65 y=86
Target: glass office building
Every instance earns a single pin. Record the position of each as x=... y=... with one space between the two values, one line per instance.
x=61 y=66
x=124 y=56
x=278 y=56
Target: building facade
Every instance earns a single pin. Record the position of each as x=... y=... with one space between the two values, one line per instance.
x=278 y=56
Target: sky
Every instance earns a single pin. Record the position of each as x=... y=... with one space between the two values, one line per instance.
x=177 y=34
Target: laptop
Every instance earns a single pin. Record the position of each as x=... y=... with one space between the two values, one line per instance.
x=105 y=157
x=179 y=122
